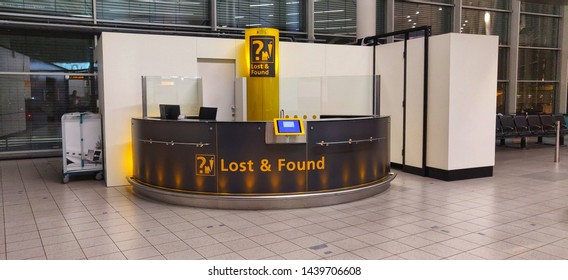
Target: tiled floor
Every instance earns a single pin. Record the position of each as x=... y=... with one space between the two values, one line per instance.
x=519 y=213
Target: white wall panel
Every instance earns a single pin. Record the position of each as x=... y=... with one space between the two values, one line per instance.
x=390 y=66
x=472 y=101
x=414 y=102
x=348 y=60
x=302 y=60
x=438 y=101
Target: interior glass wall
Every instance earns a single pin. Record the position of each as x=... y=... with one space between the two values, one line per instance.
x=538 y=80
x=43 y=76
x=284 y=15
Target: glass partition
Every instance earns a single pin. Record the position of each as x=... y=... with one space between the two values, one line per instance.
x=173 y=90
x=310 y=97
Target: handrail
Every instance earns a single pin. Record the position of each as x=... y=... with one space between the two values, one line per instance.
x=171 y=143
x=350 y=141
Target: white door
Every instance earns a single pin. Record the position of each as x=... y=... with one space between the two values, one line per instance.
x=218 y=84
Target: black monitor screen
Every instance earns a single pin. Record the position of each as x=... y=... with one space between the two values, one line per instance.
x=169 y=112
x=208 y=113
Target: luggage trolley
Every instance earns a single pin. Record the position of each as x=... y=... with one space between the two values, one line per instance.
x=82 y=144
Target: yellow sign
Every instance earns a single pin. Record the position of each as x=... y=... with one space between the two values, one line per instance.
x=262 y=52
x=205 y=165
x=261 y=67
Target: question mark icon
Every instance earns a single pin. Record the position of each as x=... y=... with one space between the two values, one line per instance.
x=202 y=164
x=258 y=49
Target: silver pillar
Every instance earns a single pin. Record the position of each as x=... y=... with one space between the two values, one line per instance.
x=561 y=95
x=366 y=18
x=310 y=20
x=511 y=106
x=457 y=15
x=390 y=19
x=213 y=14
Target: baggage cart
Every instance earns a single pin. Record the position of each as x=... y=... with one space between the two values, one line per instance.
x=82 y=145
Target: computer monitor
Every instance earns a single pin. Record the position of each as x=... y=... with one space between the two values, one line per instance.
x=169 y=112
x=288 y=127
x=208 y=113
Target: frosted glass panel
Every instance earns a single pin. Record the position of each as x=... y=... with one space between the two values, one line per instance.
x=301 y=96
x=315 y=96
x=174 y=90
x=350 y=95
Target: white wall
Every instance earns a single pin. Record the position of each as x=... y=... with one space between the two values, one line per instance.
x=472 y=101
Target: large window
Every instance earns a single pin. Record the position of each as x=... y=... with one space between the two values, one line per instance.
x=539 y=31
x=194 y=12
x=43 y=76
x=538 y=80
x=63 y=8
x=335 y=17
x=491 y=17
x=492 y=4
x=409 y=15
x=486 y=23
x=285 y=15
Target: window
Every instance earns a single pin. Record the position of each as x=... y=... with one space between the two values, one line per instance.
x=35 y=102
x=64 y=8
x=193 y=12
x=537 y=65
x=538 y=58
x=539 y=31
x=284 y=15
x=409 y=15
x=540 y=8
x=335 y=17
x=492 y=4
x=486 y=23
x=536 y=98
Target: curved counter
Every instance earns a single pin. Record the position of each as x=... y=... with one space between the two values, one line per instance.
x=243 y=165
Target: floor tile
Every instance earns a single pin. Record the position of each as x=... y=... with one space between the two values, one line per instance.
x=241 y=244
x=394 y=247
x=282 y=247
x=489 y=253
x=213 y=250
x=141 y=253
x=66 y=255
x=349 y=244
x=171 y=247
x=302 y=254
x=418 y=254
x=100 y=250
x=372 y=253
x=184 y=255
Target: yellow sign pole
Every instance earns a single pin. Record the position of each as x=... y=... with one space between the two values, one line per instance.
x=262 y=62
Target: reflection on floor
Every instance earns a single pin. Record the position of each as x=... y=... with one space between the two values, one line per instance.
x=520 y=213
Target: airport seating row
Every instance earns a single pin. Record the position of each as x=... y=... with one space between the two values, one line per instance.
x=521 y=126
